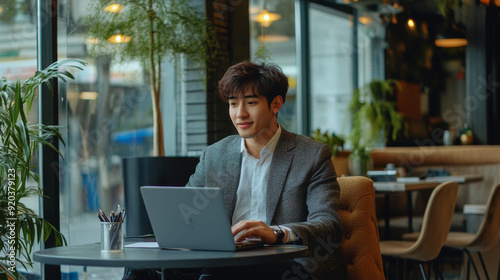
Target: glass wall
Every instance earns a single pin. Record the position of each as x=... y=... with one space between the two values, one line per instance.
x=18 y=61
x=272 y=38
x=340 y=63
x=105 y=115
x=331 y=60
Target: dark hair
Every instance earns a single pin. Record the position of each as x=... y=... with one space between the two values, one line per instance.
x=262 y=79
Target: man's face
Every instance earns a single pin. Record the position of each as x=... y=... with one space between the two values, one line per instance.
x=252 y=116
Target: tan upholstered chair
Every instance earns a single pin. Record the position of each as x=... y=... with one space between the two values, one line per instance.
x=483 y=240
x=360 y=239
x=435 y=227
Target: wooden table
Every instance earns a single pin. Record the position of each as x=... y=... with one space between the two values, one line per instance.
x=388 y=188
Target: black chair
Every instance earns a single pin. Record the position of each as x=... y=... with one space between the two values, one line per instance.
x=151 y=171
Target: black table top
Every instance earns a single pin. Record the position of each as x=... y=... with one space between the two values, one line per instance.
x=142 y=258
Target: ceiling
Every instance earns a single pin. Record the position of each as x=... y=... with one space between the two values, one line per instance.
x=428 y=10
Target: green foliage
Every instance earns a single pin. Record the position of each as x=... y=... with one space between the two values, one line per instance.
x=447 y=5
x=19 y=141
x=156 y=29
x=334 y=141
x=262 y=54
x=9 y=10
x=373 y=115
x=175 y=27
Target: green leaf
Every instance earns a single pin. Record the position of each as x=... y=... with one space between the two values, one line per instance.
x=19 y=140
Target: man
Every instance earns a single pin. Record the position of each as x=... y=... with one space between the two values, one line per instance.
x=278 y=186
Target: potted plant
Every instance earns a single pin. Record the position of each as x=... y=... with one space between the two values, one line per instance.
x=20 y=226
x=150 y=31
x=336 y=144
x=334 y=141
x=374 y=119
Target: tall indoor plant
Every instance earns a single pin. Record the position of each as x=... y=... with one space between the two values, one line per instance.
x=374 y=120
x=20 y=226
x=150 y=31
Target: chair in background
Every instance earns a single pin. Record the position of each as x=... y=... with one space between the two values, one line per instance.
x=483 y=240
x=436 y=224
x=151 y=171
x=360 y=239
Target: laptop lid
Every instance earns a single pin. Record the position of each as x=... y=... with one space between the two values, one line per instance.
x=190 y=218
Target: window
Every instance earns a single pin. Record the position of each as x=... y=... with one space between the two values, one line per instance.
x=274 y=40
x=331 y=63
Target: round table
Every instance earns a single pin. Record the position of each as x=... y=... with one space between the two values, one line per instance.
x=143 y=258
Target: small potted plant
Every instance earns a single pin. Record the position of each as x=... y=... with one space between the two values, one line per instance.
x=336 y=144
x=334 y=141
x=20 y=226
x=374 y=120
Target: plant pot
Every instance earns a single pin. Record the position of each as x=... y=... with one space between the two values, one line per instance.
x=359 y=166
x=340 y=163
x=151 y=171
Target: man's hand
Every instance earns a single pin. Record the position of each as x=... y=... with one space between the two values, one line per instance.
x=252 y=229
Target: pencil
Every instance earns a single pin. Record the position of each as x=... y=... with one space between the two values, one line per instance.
x=104 y=216
x=99 y=216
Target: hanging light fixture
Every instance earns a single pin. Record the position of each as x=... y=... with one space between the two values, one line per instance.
x=454 y=34
x=118 y=38
x=113 y=7
x=451 y=37
x=411 y=24
x=265 y=18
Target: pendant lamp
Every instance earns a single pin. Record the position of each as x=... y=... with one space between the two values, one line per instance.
x=454 y=34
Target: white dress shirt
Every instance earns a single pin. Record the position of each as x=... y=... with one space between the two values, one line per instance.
x=252 y=188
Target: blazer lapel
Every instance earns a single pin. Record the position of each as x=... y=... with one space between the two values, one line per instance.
x=280 y=165
x=233 y=164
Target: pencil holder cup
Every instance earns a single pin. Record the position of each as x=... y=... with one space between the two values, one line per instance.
x=112 y=236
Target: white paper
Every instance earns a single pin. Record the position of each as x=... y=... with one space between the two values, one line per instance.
x=143 y=245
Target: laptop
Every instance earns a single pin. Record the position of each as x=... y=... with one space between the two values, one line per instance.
x=191 y=218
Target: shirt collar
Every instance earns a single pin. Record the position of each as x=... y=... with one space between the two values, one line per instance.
x=271 y=145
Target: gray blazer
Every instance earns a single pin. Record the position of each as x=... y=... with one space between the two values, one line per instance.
x=302 y=194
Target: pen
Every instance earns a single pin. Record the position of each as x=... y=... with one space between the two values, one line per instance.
x=118 y=217
x=124 y=214
x=104 y=216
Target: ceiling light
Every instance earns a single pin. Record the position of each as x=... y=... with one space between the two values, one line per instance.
x=451 y=37
x=411 y=23
x=454 y=34
x=113 y=7
x=119 y=38
x=365 y=20
x=265 y=18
